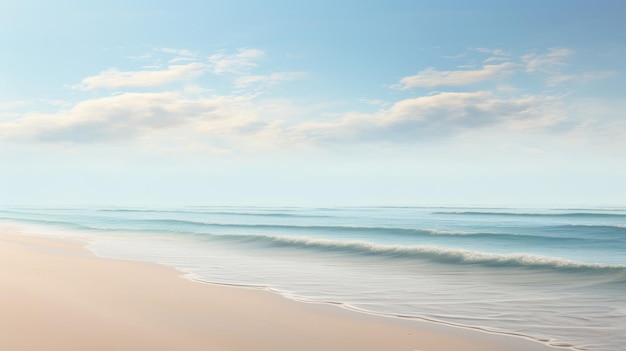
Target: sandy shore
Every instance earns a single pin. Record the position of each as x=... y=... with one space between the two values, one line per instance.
x=55 y=295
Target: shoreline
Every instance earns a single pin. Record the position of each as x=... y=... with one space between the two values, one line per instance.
x=70 y=298
x=407 y=318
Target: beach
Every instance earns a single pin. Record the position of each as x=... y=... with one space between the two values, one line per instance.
x=56 y=295
x=312 y=175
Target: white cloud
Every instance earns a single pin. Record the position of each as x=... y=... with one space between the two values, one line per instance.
x=10 y=105
x=116 y=79
x=203 y=148
x=180 y=52
x=197 y=119
x=197 y=122
x=433 y=117
x=182 y=55
x=431 y=77
x=549 y=62
x=131 y=115
x=582 y=78
x=57 y=102
x=268 y=79
x=238 y=63
x=495 y=52
x=554 y=70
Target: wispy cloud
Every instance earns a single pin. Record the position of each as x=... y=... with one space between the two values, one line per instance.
x=128 y=116
x=199 y=118
x=181 y=55
x=553 y=67
x=268 y=79
x=432 y=117
x=495 y=52
x=549 y=62
x=239 y=63
x=431 y=77
x=179 y=52
x=194 y=120
x=113 y=78
x=581 y=78
x=10 y=105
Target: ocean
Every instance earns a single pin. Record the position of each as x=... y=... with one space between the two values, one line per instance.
x=554 y=275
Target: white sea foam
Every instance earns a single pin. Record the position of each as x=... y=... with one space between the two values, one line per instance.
x=521 y=274
x=441 y=254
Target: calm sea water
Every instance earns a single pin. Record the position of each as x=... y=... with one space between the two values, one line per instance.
x=554 y=275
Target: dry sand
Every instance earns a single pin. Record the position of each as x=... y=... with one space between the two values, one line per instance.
x=55 y=295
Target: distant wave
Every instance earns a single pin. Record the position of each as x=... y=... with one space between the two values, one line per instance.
x=426 y=207
x=20 y=212
x=220 y=212
x=594 y=226
x=432 y=253
x=607 y=231
x=374 y=230
x=49 y=222
x=180 y=226
x=346 y=229
x=532 y=214
x=608 y=209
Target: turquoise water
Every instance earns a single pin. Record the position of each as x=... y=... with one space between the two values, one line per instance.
x=554 y=275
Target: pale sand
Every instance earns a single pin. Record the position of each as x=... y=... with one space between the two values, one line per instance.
x=55 y=295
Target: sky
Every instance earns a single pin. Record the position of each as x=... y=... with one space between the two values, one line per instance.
x=325 y=103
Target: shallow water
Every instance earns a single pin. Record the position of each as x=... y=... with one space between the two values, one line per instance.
x=555 y=275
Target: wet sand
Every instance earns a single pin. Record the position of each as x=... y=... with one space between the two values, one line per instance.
x=55 y=295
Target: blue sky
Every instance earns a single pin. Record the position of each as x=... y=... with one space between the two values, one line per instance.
x=323 y=103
